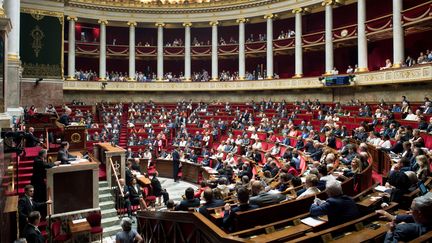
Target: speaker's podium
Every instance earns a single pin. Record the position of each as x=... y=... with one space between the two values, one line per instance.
x=74 y=187
x=76 y=136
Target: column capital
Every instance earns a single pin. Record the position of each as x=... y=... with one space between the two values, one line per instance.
x=300 y=10
x=132 y=23
x=103 y=21
x=213 y=23
x=242 y=20
x=74 y=18
x=270 y=16
x=328 y=2
x=187 y=24
x=160 y=24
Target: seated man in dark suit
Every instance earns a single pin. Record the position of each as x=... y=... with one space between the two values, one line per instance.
x=125 y=202
x=189 y=202
x=31 y=139
x=338 y=207
x=136 y=165
x=31 y=232
x=26 y=205
x=136 y=195
x=229 y=215
x=64 y=119
x=421 y=209
x=210 y=202
x=262 y=198
x=157 y=189
x=63 y=154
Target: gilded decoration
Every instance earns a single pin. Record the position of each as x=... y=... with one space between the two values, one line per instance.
x=38 y=35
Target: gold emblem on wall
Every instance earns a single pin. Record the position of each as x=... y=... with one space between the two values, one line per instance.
x=76 y=138
x=37 y=35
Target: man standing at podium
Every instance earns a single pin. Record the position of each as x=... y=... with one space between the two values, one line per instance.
x=176 y=164
x=39 y=175
x=63 y=154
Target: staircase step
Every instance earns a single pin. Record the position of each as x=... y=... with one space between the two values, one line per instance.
x=103 y=184
x=105 y=197
x=110 y=221
x=107 y=213
x=106 y=205
x=110 y=231
x=103 y=190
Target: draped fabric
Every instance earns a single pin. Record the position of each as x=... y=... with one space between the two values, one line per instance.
x=41 y=45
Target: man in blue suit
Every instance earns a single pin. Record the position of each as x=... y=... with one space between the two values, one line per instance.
x=338 y=207
x=421 y=209
x=176 y=164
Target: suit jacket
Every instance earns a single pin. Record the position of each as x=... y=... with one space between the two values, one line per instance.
x=176 y=156
x=32 y=234
x=135 y=193
x=39 y=173
x=25 y=207
x=32 y=140
x=339 y=209
x=212 y=204
x=230 y=216
x=64 y=156
x=64 y=119
x=266 y=198
x=129 y=176
x=184 y=205
x=407 y=232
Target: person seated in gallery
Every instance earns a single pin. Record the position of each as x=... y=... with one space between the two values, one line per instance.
x=262 y=198
x=311 y=184
x=63 y=154
x=244 y=205
x=136 y=195
x=338 y=207
x=388 y=64
x=210 y=202
x=189 y=202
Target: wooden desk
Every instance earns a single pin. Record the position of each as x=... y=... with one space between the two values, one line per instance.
x=106 y=151
x=365 y=234
x=189 y=170
x=285 y=234
x=143 y=181
x=10 y=219
x=369 y=200
x=78 y=229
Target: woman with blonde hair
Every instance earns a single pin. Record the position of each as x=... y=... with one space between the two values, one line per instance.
x=424 y=170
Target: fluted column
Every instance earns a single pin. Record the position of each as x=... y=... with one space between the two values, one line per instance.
x=132 y=26
x=214 y=52
x=102 y=50
x=187 y=65
x=269 y=49
x=298 y=43
x=12 y=8
x=398 y=34
x=160 y=62
x=241 y=51
x=329 y=65
x=361 y=36
x=71 y=48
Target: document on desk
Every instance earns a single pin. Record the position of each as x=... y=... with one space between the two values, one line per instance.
x=77 y=221
x=381 y=188
x=313 y=222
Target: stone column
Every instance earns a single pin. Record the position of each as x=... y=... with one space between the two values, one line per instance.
x=71 y=47
x=14 y=70
x=361 y=36
x=328 y=36
x=187 y=63
x=398 y=34
x=2 y=11
x=298 y=43
x=269 y=49
x=160 y=71
x=214 y=51
x=132 y=26
x=102 y=50
x=241 y=47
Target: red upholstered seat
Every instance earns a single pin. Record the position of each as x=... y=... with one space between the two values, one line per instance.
x=97 y=229
x=94 y=219
x=57 y=235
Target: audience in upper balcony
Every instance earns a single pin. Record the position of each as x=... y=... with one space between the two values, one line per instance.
x=388 y=64
x=288 y=34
